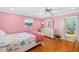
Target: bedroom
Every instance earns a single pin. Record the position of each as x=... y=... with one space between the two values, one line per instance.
x=39 y=29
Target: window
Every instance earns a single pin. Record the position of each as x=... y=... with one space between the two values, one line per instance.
x=28 y=22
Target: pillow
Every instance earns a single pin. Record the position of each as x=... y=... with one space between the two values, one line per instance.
x=2 y=34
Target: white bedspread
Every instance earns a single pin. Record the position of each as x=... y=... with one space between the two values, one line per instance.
x=18 y=42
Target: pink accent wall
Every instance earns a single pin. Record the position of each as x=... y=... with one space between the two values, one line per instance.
x=12 y=23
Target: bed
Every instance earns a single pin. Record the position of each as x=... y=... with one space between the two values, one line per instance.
x=20 y=42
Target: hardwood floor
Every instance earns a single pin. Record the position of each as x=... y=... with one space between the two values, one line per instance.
x=52 y=45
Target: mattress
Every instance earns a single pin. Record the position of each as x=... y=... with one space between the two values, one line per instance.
x=18 y=42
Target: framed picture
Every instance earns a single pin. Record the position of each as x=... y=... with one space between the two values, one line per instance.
x=70 y=24
x=28 y=22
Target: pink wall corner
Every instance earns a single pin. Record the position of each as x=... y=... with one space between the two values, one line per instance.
x=14 y=23
x=58 y=24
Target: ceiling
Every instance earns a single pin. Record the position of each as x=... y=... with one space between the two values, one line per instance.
x=38 y=11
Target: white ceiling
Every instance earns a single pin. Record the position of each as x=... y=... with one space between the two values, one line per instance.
x=37 y=11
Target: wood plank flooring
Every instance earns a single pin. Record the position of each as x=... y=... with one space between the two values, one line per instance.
x=52 y=45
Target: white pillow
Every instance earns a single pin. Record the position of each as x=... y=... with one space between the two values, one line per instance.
x=2 y=34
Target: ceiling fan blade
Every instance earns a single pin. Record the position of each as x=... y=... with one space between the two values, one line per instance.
x=44 y=13
x=50 y=13
x=49 y=9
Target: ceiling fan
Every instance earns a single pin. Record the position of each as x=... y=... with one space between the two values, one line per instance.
x=48 y=10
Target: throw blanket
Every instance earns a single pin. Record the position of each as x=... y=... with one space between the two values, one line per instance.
x=39 y=37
